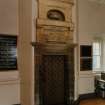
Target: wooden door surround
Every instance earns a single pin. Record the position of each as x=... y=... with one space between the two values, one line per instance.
x=54 y=53
x=62 y=54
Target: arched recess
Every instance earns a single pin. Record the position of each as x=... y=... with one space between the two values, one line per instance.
x=54 y=14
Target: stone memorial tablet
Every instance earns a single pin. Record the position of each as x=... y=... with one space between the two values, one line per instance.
x=8 y=52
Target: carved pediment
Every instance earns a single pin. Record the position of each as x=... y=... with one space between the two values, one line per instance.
x=54 y=23
x=55 y=10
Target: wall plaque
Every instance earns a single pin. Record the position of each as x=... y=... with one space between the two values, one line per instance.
x=8 y=52
x=54 y=34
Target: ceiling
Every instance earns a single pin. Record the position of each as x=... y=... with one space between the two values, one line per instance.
x=98 y=1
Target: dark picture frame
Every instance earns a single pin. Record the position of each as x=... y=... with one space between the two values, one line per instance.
x=86 y=57
x=8 y=52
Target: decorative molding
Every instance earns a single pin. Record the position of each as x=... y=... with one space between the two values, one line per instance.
x=55 y=23
x=55 y=49
x=98 y=1
x=9 y=82
x=48 y=5
x=64 y=1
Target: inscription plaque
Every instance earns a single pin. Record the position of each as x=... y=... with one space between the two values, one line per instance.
x=8 y=52
x=54 y=34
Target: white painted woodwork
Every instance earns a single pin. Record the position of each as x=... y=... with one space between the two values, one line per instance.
x=25 y=51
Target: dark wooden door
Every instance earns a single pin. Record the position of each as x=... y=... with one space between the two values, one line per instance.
x=53 y=78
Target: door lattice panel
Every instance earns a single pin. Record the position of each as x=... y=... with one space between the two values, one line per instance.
x=55 y=79
x=53 y=67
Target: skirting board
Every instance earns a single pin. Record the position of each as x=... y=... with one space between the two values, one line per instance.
x=16 y=104
x=84 y=96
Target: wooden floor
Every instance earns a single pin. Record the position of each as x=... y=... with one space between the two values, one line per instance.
x=95 y=101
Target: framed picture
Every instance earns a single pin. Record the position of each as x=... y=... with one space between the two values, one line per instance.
x=86 y=58
x=8 y=52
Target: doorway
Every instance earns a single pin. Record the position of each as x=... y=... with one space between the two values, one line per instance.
x=54 y=80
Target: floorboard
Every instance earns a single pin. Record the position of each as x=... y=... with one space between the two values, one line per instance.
x=95 y=101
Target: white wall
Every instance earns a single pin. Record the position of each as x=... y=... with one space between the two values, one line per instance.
x=91 y=20
x=9 y=17
x=9 y=81
x=91 y=23
x=9 y=92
